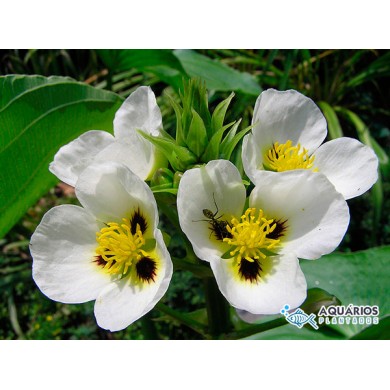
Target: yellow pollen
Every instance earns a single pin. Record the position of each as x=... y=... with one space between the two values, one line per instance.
x=118 y=247
x=285 y=157
x=249 y=237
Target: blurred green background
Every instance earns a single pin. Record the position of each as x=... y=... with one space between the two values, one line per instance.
x=350 y=86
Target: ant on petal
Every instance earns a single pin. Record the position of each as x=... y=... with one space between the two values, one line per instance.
x=217 y=226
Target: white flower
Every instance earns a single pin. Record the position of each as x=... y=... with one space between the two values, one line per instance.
x=288 y=131
x=253 y=248
x=109 y=250
x=138 y=112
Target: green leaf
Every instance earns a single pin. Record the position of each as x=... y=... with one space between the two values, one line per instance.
x=379 y=68
x=288 y=64
x=359 y=278
x=160 y=62
x=37 y=116
x=361 y=128
x=217 y=75
x=334 y=127
x=292 y=333
x=13 y=86
x=316 y=298
x=365 y=137
x=384 y=160
x=380 y=331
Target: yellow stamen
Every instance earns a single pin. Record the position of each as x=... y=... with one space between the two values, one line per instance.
x=119 y=248
x=249 y=237
x=285 y=157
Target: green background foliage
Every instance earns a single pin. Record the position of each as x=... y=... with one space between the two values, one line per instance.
x=49 y=97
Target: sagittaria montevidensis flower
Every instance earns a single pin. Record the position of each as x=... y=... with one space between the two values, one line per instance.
x=288 y=130
x=110 y=250
x=138 y=112
x=253 y=247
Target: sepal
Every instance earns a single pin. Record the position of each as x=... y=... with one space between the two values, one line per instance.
x=178 y=156
x=197 y=135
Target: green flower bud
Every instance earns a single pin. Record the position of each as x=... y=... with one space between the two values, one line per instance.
x=162 y=178
x=176 y=179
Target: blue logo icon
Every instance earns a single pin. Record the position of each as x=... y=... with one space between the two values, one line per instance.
x=299 y=317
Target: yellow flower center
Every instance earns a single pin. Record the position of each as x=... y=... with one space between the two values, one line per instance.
x=286 y=157
x=118 y=248
x=250 y=236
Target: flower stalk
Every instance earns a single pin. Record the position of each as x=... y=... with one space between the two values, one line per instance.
x=218 y=309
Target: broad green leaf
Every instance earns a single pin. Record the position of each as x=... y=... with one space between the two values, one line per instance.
x=217 y=75
x=316 y=298
x=290 y=332
x=381 y=331
x=161 y=62
x=359 y=278
x=13 y=86
x=37 y=116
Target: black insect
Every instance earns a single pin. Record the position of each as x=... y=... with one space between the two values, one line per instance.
x=217 y=226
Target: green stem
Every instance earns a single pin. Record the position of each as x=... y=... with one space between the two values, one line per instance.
x=182 y=318
x=218 y=310
x=148 y=328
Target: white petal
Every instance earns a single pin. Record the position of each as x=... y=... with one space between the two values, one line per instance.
x=351 y=166
x=287 y=115
x=283 y=284
x=134 y=151
x=139 y=111
x=252 y=157
x=63 y=250
x=110 y=191
x=317 y=215
x=121 y=303
x=219 y=180
x=72 y=158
